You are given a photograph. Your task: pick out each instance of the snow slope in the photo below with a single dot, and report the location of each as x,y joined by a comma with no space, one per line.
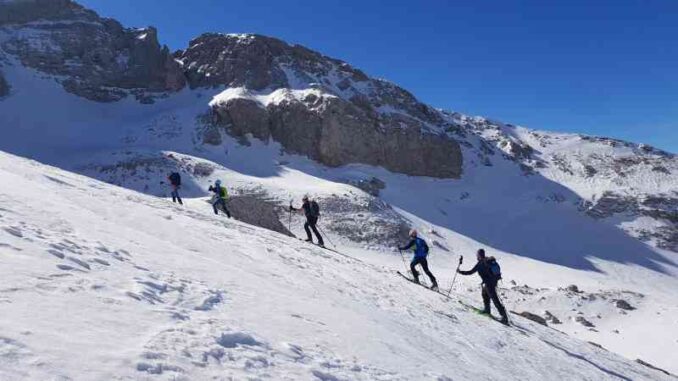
533,223
103,283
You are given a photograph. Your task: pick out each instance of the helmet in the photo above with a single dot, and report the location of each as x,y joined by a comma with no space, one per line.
413,233
305,198
217,183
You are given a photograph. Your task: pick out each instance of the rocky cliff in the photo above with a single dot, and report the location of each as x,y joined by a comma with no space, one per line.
4,86
319,106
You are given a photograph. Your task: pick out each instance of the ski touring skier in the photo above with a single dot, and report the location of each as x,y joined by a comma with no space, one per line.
219,198
174,179
490,273
420,248
311,210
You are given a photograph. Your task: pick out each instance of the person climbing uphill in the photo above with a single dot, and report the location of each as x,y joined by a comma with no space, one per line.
488,269
174,179
219,198
312,211
420,248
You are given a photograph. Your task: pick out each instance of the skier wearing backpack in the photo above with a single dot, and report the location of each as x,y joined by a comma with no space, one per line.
420,248
219,198
490,273
175,182
312,211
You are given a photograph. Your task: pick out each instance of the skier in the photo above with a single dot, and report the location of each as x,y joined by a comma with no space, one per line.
175,182
312,212
490,277
420,249
219,198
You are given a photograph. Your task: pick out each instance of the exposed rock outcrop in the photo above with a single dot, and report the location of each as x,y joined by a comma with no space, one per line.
94,57
534,317
373,186
366,220
4,86
583,321
624,305
319,106
257,211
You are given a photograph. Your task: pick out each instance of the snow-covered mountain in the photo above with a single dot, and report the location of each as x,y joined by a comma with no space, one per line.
276,121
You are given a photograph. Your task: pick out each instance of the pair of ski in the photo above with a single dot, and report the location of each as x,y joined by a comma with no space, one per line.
437,291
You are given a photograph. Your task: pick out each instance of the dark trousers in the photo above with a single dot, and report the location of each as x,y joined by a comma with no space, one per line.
175,195
490,293
221,202
424,265
311,222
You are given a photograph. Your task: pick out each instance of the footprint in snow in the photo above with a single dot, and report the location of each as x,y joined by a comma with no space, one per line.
79,262
101,261
13,231
7,245
56,253
211,301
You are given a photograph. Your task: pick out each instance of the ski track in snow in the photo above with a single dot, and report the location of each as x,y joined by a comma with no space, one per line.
101,285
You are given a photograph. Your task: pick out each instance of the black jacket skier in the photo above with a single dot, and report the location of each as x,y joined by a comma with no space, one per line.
489,286
312,212
174,179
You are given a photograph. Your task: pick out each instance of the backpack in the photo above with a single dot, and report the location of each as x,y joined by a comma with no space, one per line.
175,178
222,192
315,209
495,269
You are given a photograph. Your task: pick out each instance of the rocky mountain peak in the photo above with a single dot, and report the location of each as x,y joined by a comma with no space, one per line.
317,105
92,57
25,11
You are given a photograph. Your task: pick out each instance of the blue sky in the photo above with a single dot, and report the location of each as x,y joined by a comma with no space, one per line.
604,67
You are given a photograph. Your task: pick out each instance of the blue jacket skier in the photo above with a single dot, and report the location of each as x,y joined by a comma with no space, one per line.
219,198
488,270
420,249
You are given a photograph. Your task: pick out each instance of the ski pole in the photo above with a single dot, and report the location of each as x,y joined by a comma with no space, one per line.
461,259
326,236
289,221
506,311
404,262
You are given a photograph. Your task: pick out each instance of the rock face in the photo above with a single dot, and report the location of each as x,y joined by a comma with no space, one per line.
257,211
319,106
95,58
4,86
368,220
582,320
534,317
624,305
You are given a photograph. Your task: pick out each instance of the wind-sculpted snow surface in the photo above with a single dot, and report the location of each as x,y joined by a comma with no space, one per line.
104,283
